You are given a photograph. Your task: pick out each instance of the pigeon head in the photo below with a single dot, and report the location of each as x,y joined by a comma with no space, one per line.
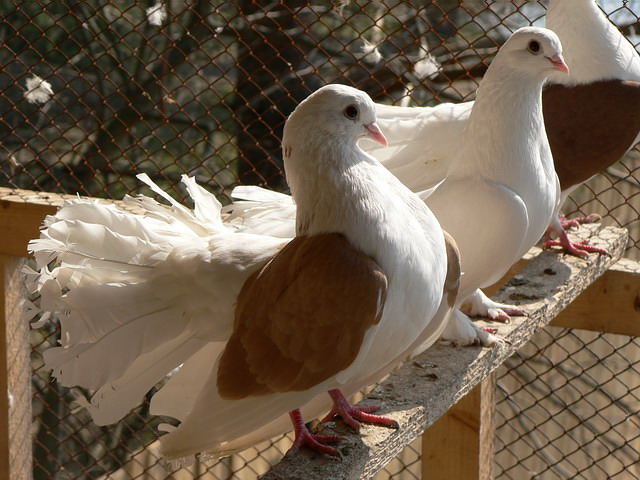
332,113
535,51
595,49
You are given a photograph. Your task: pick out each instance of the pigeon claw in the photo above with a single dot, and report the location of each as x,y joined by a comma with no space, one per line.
303,437
315,443
577,221
580,249
352,415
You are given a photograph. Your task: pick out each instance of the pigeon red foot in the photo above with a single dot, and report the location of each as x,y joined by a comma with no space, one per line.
577,221
304,437
353,415
580,249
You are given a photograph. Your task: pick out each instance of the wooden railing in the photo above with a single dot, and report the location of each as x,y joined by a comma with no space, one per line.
446,394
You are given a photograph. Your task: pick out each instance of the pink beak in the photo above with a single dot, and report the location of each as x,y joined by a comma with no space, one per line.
376,134
558,63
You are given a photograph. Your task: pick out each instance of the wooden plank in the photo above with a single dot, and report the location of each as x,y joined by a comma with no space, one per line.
21,214
612,304
460,444
15,421
4,404
420,392
19,223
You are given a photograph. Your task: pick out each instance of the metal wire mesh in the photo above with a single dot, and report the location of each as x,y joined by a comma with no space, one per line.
569,408
95,92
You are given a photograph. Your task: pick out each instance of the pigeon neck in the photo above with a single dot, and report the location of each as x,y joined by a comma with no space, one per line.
506,123
355,196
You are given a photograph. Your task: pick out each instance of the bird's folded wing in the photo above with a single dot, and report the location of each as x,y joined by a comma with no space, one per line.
302,319
607,126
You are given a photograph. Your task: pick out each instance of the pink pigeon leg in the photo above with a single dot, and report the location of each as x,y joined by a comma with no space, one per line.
577,221
352,415
579,249
479,305
303,437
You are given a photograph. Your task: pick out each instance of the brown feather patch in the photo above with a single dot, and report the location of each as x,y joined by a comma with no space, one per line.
590,126
302,318
452,280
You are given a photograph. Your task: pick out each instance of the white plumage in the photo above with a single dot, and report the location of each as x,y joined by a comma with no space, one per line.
594,48
425,140
135,294
500,190
142,294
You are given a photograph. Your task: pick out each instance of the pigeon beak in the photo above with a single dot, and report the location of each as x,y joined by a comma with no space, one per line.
558,63
375,134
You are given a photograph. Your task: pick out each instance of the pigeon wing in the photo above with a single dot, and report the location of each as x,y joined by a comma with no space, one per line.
302,319
590,126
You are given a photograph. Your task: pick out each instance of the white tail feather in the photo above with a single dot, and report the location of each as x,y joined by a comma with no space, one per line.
137,295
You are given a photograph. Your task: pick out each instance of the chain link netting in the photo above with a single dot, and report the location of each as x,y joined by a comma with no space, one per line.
96,92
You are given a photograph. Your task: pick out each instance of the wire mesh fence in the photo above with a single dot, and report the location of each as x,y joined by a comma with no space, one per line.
96,92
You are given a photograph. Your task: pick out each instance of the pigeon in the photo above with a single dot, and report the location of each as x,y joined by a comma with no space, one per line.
500,190
590,115
252,329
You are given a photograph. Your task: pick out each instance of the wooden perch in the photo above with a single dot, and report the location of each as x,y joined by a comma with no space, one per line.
425,388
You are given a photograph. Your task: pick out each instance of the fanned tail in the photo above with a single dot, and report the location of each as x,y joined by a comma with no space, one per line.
137,294
262,212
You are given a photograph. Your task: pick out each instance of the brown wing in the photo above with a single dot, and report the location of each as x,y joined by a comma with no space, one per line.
452,280
302,318
590,126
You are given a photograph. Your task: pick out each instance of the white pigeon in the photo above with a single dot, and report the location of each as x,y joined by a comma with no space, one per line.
369,279
590,116
597,100
501,188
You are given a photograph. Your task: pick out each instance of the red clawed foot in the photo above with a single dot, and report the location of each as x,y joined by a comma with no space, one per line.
580,249
352,415
305,438
576,222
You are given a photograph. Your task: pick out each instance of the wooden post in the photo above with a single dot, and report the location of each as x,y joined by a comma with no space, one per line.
612,304
460,444
15,376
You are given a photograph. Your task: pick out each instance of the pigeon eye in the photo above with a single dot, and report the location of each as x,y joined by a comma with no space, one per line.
351,112
534,46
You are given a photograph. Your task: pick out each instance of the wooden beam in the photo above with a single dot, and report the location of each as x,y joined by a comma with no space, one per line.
612,304
460,444
21,214
420,392
4,403
15,376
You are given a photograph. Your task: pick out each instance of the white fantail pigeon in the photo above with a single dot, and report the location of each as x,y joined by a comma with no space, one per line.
501,189
260,327
591,115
